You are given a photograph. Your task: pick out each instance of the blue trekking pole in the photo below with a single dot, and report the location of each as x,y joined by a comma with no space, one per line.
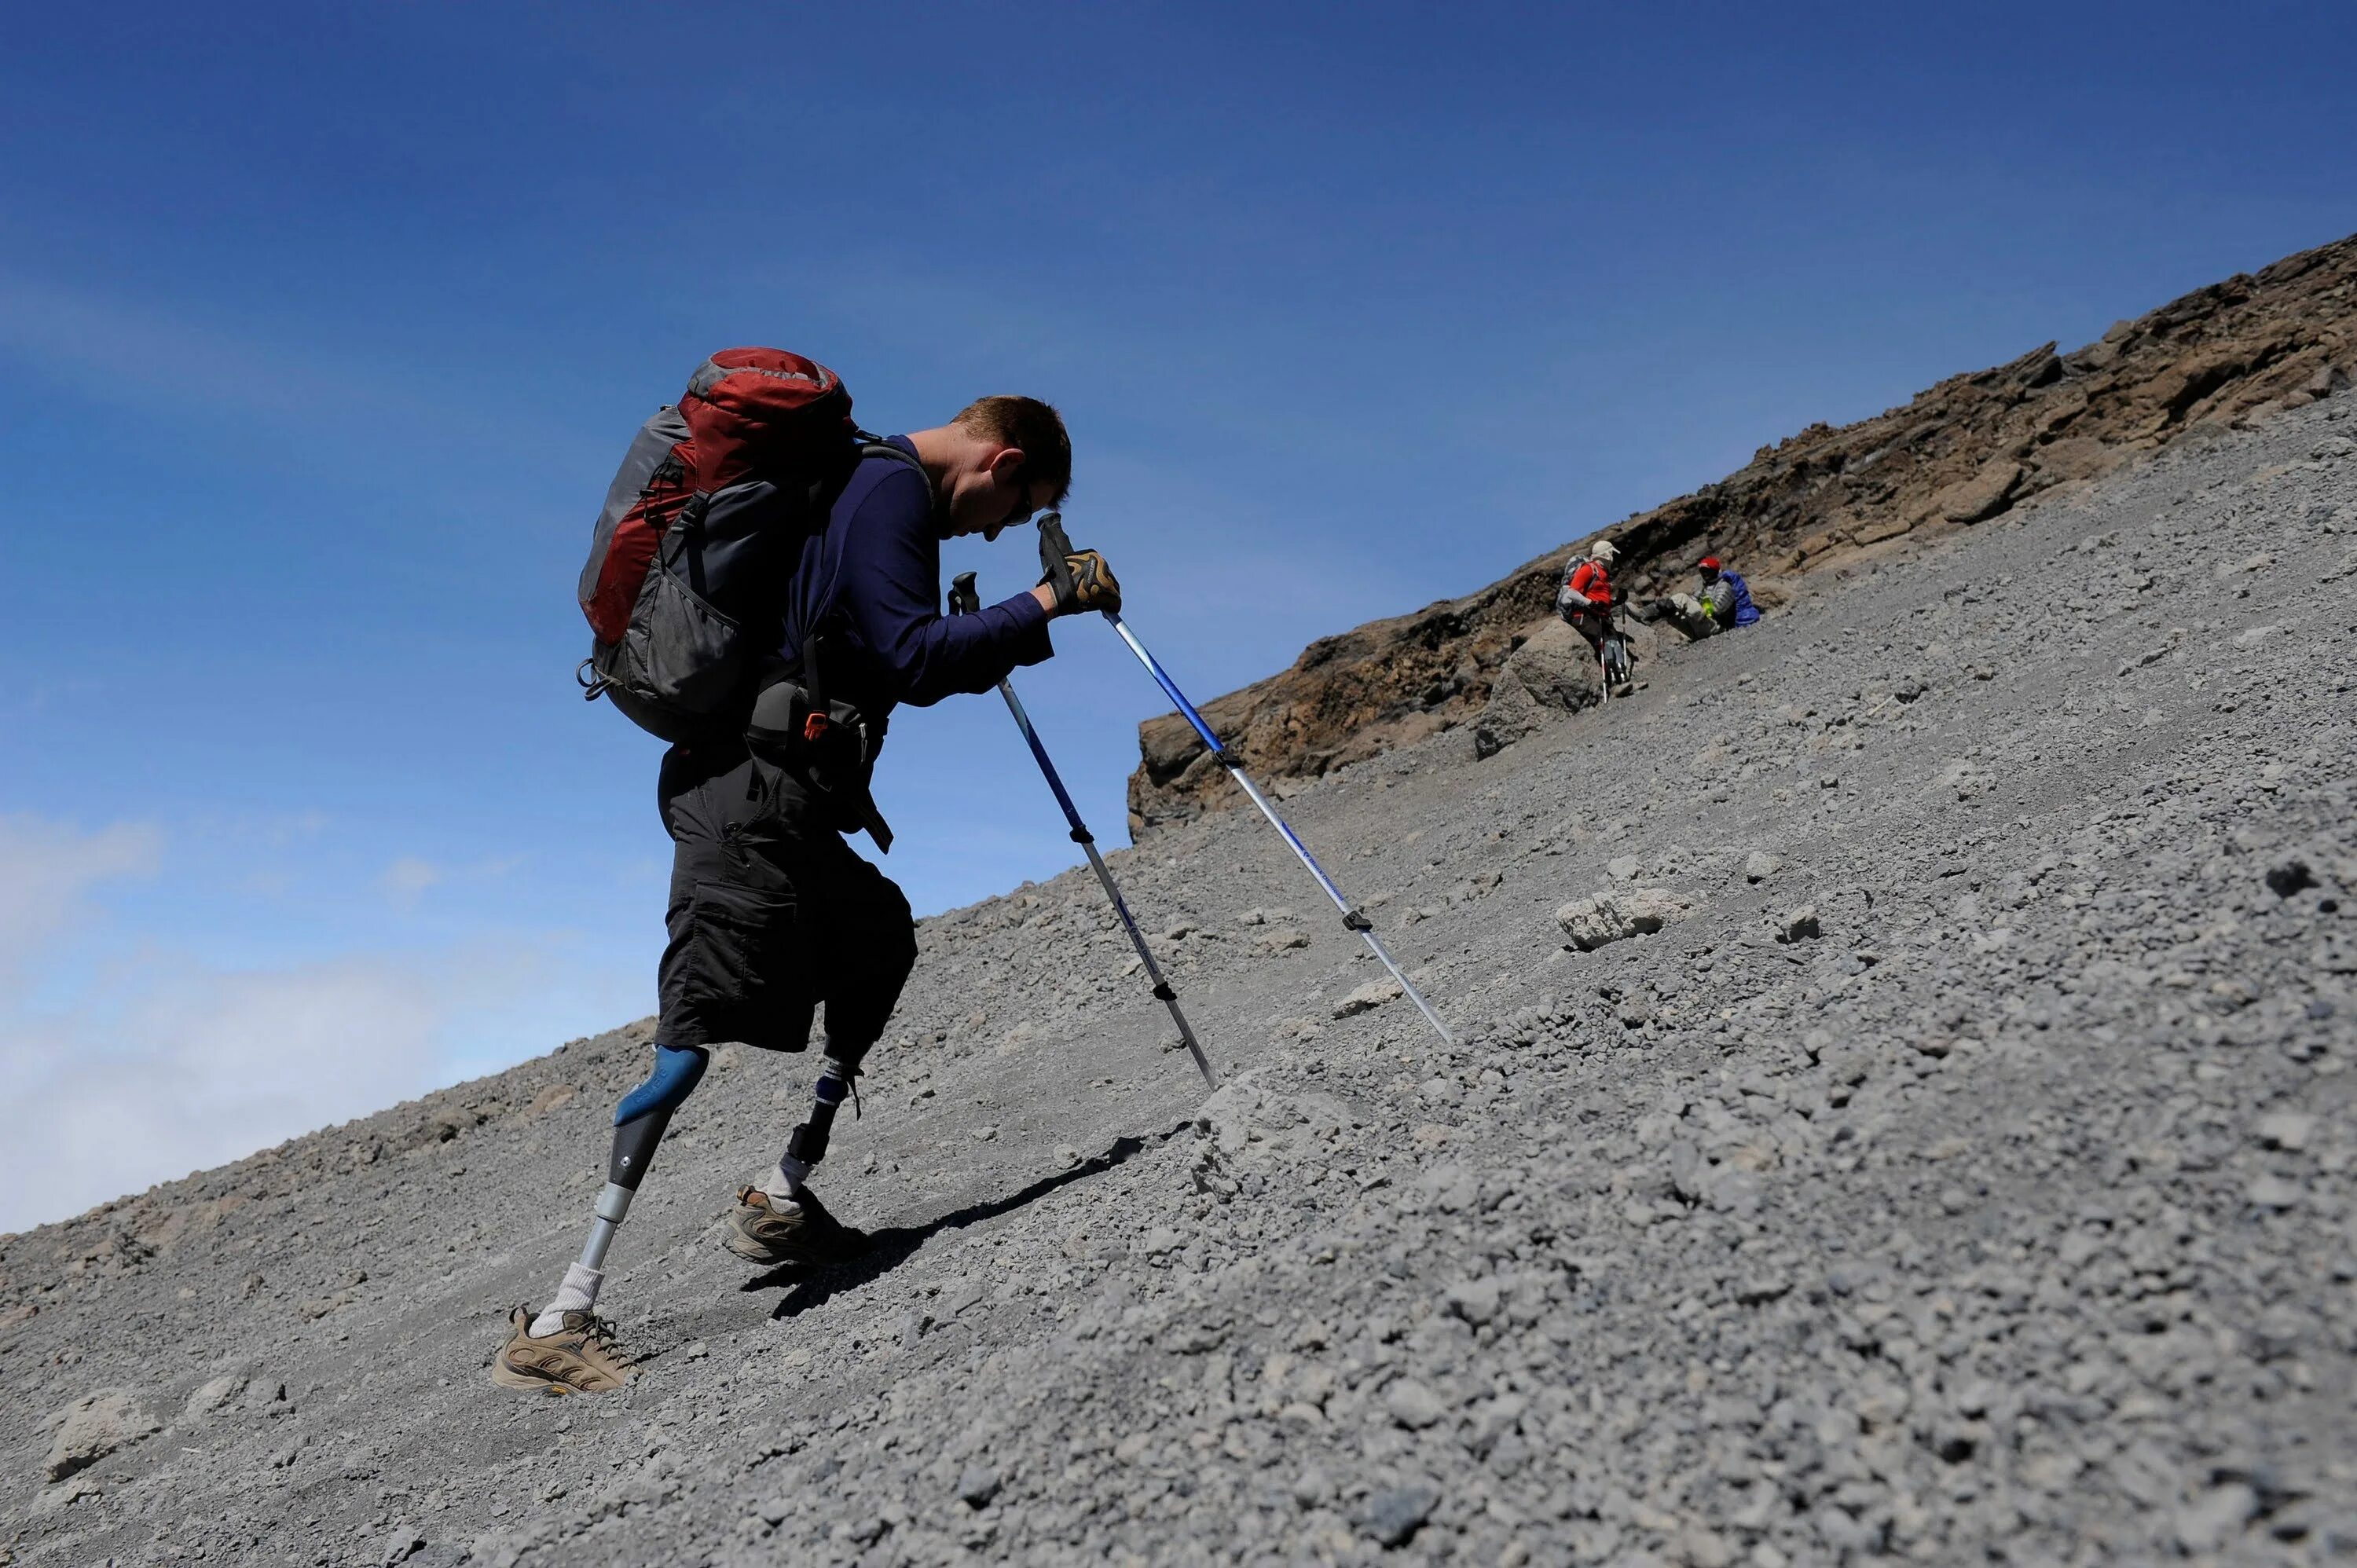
964,601
1053,547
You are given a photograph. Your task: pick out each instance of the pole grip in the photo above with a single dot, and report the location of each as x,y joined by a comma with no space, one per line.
1054,545
963,599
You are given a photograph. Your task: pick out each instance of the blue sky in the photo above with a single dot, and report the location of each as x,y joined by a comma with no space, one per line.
321,330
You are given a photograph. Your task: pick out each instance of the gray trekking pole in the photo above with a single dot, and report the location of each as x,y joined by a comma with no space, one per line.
963,601
1053,547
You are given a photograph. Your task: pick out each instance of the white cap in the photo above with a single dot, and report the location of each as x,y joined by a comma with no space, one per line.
1602,550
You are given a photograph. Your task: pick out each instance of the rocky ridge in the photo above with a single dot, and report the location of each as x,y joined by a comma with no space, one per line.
1965,450
1912,1118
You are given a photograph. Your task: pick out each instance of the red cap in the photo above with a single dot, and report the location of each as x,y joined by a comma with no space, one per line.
1707,564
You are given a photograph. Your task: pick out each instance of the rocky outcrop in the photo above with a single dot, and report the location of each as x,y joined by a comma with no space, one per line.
1967,450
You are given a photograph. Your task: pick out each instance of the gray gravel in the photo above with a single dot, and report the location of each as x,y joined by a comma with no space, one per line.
1960,1168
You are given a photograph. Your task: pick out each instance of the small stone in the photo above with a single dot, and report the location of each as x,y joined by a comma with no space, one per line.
2273,1192
1160,1239
1413,1405
1590,923
2331,447
2210,1521
1760,865
863,1532
212,1398
1700,1547
977,1486
2290,878
1799,925
1394,1514
1621,868
1312,1488
94,1426
400,1543
1368,997
2287,1129
1475,1301
52,1499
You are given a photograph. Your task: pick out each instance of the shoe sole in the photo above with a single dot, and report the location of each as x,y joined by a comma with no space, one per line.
754,1251
508,1377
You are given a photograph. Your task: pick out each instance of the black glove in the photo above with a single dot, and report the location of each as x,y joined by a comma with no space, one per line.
1080,579
1086,582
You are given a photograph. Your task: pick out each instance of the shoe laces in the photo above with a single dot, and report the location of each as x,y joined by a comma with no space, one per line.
601,1333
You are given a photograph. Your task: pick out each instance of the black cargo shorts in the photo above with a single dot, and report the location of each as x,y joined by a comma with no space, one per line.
771,913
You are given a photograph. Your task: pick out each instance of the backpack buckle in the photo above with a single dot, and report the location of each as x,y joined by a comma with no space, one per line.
815,726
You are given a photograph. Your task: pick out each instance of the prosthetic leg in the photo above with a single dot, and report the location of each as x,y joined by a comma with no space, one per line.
806,1146
782,1221
639,1124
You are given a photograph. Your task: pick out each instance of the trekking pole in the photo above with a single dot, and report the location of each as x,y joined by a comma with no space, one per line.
1053,547
963,600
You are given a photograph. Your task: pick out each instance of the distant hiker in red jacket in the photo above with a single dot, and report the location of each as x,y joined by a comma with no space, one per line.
1585,601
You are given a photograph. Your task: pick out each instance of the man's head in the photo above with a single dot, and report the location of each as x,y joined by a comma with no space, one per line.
1603,553
1000,460
1708,567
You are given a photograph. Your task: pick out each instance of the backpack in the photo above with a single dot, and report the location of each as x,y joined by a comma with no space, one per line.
682,584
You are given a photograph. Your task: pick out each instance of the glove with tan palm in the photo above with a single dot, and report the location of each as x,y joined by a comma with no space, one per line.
1080,578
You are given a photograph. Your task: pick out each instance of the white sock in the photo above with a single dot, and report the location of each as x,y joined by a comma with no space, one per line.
577,1294
785,1179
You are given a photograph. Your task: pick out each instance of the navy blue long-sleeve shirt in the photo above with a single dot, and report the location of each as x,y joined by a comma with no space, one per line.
872,580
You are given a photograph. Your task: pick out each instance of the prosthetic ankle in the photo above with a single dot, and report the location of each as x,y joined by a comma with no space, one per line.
639,1123
807,1145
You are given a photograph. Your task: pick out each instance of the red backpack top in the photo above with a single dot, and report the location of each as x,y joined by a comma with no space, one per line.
709,495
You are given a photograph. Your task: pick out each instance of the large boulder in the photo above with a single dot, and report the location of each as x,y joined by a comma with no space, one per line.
1552,672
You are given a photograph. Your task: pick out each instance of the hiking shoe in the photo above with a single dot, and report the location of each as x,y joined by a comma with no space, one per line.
579,1359
787,1230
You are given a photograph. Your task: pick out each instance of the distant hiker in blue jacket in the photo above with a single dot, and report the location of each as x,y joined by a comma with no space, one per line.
1721,603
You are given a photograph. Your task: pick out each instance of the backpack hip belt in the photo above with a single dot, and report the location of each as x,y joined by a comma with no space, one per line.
826,745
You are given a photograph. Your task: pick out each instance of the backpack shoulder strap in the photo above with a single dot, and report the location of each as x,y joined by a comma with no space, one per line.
873,446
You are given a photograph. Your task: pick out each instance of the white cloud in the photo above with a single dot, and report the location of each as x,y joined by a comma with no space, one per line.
164,1064
196,1066
408,878
46,870
201,1069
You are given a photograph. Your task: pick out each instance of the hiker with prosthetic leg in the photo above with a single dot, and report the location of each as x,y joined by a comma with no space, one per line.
771,915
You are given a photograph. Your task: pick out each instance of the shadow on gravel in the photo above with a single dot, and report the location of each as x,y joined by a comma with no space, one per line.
888,1248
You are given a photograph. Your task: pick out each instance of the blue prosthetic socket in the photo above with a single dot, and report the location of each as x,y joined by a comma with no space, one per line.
643,1114
677,1070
